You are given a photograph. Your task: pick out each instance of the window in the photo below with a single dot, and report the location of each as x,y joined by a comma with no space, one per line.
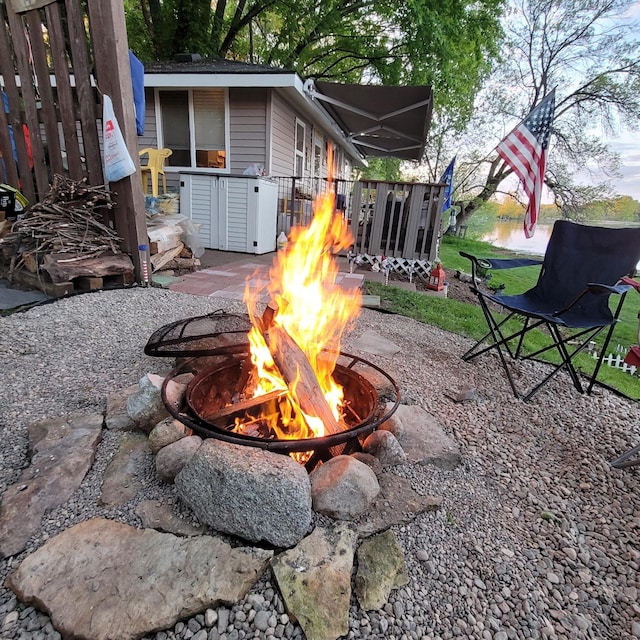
300,148
194,127
318,144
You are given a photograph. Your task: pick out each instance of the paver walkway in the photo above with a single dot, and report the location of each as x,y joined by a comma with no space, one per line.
229,280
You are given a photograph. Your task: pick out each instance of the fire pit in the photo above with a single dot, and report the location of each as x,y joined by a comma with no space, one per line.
277,378
214,350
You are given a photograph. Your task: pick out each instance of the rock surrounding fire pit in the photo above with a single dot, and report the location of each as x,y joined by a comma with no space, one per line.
247,492
99,565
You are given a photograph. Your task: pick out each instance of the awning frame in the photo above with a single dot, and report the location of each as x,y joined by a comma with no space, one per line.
400,143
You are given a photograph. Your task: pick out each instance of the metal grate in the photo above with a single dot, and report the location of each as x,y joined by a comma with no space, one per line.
213,334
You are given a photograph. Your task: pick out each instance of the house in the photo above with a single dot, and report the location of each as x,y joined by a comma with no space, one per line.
231,116
250,147
224,119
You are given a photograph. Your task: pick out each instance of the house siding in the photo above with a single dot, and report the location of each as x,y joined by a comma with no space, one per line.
247,128
283,121
150,136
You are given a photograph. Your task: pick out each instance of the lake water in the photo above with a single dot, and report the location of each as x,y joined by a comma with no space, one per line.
509,234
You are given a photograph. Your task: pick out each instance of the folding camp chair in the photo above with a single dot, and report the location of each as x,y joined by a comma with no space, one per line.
582,267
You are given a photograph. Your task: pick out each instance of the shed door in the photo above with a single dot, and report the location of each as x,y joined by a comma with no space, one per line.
200,199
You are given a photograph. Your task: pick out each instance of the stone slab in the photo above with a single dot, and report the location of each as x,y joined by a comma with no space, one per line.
381,568
397,503
104,580
160,516
63,451
423,438
122,480
374,343
314,579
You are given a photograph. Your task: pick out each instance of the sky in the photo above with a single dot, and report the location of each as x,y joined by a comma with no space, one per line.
628,144
629,150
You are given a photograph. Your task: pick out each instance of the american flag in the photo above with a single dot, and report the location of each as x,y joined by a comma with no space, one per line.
524,150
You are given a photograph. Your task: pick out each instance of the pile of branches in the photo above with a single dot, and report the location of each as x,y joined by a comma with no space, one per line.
70,219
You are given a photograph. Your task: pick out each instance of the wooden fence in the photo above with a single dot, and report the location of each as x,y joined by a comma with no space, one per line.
56,59
394,219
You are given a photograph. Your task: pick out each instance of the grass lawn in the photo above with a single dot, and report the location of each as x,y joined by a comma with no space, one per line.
467,319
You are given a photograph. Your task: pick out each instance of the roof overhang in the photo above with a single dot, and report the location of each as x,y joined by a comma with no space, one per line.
381,121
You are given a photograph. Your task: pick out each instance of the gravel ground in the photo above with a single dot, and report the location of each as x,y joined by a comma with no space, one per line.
537,536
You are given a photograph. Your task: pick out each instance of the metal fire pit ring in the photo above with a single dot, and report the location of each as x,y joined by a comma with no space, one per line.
379,414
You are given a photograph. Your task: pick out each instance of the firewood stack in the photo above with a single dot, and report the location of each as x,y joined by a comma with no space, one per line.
66,236
168,246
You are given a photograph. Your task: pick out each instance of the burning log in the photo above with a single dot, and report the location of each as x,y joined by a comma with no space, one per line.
221,417
296,371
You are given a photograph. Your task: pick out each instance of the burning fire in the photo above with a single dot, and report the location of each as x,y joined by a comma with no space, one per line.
312,310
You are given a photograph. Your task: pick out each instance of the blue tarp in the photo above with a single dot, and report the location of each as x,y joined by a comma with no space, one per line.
137,80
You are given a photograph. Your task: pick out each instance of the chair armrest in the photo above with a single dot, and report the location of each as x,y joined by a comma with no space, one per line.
598,289
631,282
476,265
497,263
606,289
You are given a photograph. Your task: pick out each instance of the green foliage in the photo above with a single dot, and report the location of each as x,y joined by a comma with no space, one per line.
621,209
588,52
387,169
450,46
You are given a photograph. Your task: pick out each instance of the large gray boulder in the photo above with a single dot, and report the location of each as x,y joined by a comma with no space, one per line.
247,492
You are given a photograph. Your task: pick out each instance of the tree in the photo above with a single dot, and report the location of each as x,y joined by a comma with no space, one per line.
586,50
448,45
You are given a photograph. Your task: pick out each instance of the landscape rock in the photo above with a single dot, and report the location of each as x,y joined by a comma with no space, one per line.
383,386
62,453
343,488
122,480
167,431
145,406
397,503
381,568
423,438
247,492
171,459
371,461
104,580
384,445
116,416
314,579
161,516
372,342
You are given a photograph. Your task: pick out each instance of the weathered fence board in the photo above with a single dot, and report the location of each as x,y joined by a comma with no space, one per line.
48,53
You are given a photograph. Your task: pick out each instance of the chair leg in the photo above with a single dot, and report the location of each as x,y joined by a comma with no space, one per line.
154,184
606,343
623,462
499,340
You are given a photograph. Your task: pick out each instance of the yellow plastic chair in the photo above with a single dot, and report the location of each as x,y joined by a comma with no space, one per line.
154,168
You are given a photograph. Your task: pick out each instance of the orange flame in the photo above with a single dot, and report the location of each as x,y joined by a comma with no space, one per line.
312,309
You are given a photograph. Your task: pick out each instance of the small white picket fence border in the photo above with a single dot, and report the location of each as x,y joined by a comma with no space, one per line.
616,360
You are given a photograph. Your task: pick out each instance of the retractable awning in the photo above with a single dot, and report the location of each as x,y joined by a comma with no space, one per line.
379,120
